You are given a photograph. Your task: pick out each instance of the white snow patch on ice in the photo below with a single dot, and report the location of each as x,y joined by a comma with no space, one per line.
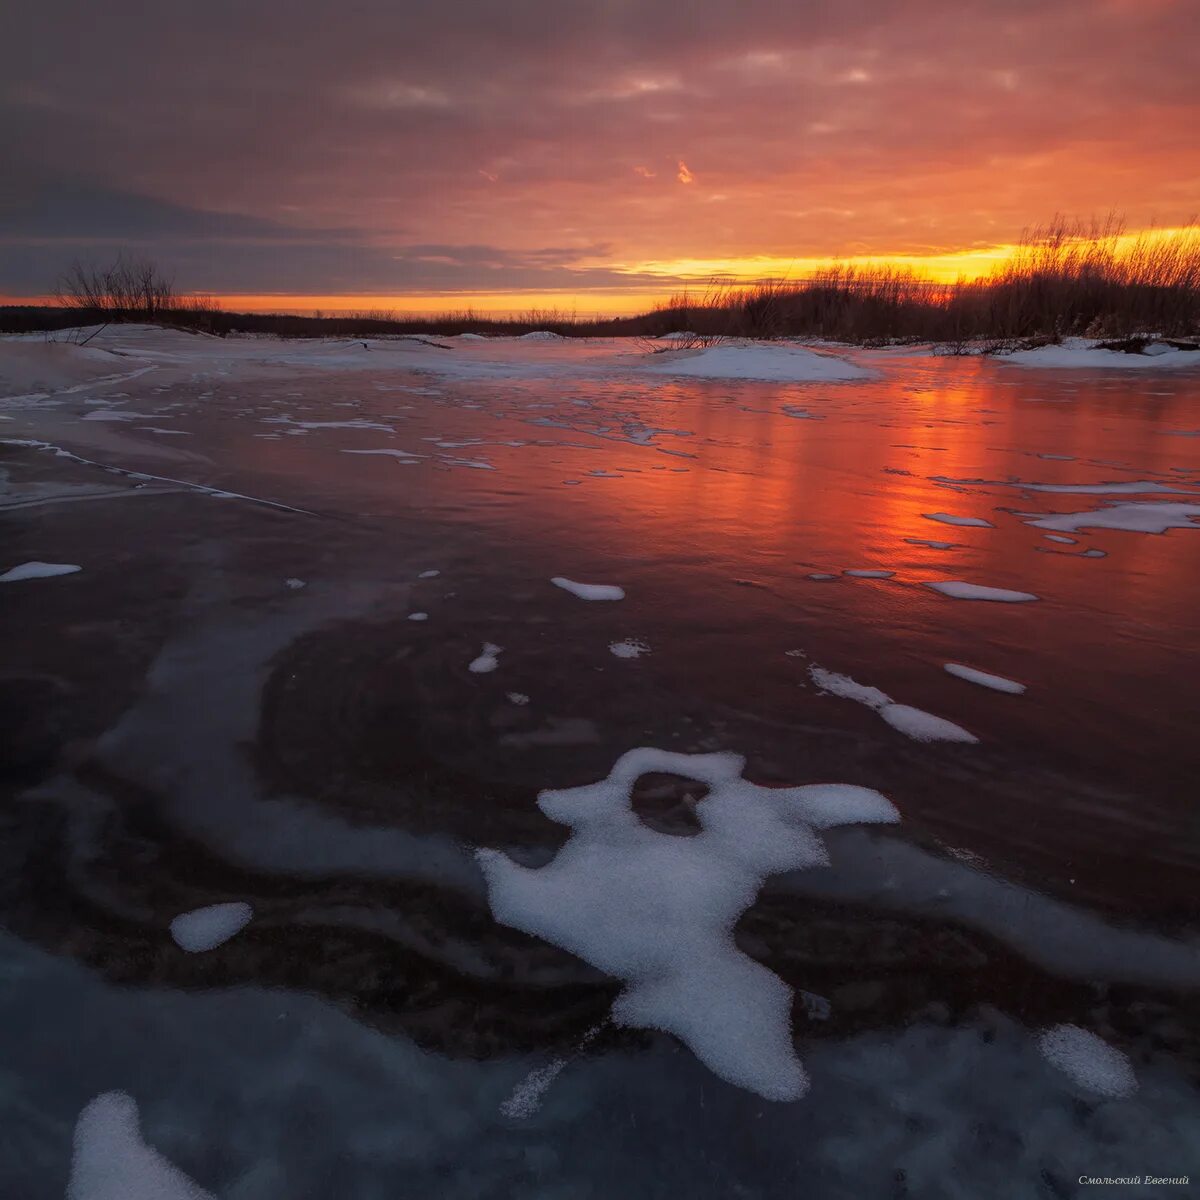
418,616
518,698
658,911
912,722
628,648
487,660
1058,537
957,589
110,1160
429,574
996,682
589,591
931,544
294,584
870,574
950,519
757,360
1088,1060
208,927
38,570
526,1098
404,455
1075,352
1144,517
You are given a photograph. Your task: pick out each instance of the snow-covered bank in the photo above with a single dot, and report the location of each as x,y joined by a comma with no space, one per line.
1085,353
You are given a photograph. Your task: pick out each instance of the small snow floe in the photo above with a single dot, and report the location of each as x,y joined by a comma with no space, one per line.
996,682
870,574
820,576
418,616
111,1161
475,464
38,570
429,574
912,722
208,927
1058,537
950,519
658,911
294,584
629,648
1088,1061
932,544
542,335
589,591
402,456
1059,457
517,698
1138,517
1093,553
957,589
487,659
758,360
801,414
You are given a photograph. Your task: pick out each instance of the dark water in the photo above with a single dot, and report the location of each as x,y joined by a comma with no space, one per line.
184,728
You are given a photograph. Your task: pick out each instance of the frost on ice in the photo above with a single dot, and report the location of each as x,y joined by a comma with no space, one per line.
957,589
38,570
996,682
912,722
629,648
206,928
1088,1060
589,591
658,911
110,1160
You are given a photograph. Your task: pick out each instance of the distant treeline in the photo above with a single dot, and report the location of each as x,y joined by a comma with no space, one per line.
1065,278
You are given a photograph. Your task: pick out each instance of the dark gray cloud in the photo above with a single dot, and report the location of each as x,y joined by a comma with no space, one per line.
330,147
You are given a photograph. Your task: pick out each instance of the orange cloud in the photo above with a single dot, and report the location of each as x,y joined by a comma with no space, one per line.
644,172
685,176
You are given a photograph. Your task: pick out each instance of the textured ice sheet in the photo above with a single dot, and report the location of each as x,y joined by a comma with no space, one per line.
209,927
996,682
1088,1060
958,589
589,591
915,723
658,911
110,1160
38,570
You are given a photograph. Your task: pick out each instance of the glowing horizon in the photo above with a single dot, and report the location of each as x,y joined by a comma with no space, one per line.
612,300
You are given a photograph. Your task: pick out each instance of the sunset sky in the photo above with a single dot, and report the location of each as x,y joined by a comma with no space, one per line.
548,152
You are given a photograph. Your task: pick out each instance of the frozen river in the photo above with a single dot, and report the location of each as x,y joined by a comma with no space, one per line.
327,640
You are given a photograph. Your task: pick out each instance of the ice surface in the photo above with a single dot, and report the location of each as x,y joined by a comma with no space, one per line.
629,648
959,590
1088,1060
38,570
208,927
996,682
1143,517
589,591
912,722
110,1161
487,660
757,360
950,519
658,911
